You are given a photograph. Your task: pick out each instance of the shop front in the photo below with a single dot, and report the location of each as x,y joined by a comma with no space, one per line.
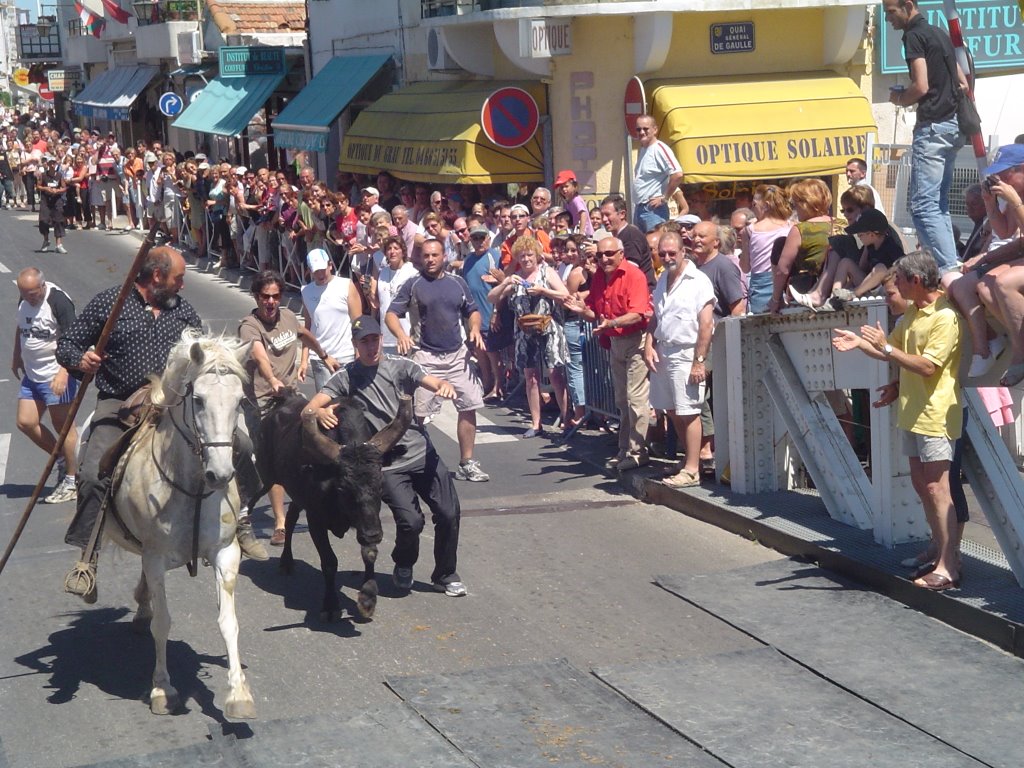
109,99
230,103
433,132
731,133
312,120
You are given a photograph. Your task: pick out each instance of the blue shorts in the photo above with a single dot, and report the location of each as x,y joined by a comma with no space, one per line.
40,392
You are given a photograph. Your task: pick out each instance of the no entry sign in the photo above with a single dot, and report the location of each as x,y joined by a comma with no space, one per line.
635,103
509,117
45,92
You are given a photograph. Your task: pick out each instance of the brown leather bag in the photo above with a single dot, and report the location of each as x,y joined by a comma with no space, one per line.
533,323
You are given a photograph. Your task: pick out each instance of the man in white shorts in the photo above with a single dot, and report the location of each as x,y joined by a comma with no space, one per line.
677,345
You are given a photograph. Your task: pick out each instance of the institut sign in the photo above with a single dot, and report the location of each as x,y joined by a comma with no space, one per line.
992,32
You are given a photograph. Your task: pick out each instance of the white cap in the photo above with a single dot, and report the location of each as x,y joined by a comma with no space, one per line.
240,170
689,218
203,166
200,156
149,157
317,259
371,191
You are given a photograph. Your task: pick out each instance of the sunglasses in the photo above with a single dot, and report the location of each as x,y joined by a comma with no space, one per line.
270,296
460,231
609,254
517,216
850,210
668,253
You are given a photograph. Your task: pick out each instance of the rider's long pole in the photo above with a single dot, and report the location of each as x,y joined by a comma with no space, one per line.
963,58
108,327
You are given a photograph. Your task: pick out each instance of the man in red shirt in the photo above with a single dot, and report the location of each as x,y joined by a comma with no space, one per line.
619,304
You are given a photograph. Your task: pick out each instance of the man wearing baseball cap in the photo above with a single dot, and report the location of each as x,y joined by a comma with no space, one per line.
568,187
329,305
371,197
416,471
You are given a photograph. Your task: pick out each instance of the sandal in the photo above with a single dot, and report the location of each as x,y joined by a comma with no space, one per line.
1013,376
277,540
936,582
682,479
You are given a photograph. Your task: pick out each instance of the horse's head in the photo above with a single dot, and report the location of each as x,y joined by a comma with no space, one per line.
206,374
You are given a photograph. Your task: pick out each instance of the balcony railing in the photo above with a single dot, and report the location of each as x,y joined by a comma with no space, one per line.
156,12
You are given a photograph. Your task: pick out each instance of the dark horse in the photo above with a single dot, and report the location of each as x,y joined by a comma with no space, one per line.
336,479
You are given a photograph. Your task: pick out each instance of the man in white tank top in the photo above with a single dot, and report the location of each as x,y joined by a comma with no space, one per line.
329,304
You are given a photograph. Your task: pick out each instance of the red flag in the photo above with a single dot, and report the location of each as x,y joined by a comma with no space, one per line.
118,13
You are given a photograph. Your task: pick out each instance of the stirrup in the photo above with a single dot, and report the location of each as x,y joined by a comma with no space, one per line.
81,581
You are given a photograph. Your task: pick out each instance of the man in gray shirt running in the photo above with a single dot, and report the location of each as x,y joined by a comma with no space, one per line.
416,472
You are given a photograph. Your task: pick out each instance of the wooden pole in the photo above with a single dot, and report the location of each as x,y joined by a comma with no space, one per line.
108,328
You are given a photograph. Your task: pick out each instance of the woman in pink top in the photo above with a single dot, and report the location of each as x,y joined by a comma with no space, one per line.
758,240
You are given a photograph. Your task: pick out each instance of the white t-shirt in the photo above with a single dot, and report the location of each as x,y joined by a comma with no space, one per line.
654,165
388,282
330,321
38,329
677,310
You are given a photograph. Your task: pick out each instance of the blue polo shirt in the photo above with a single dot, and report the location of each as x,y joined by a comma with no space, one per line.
473,269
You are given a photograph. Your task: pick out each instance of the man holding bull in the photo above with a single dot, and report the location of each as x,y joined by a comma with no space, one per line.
416,472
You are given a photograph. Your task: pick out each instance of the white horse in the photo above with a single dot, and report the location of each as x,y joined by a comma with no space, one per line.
176,502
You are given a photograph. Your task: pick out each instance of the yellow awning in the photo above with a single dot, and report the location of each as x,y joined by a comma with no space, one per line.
428,131
723,129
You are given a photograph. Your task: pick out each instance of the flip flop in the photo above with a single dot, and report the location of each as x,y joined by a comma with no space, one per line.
922,570
1013,376
936,582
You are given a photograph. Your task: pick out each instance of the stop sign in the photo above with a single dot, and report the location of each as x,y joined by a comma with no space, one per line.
45,92
634,104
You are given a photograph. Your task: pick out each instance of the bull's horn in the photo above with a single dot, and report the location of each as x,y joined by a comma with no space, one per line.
388,437
317,447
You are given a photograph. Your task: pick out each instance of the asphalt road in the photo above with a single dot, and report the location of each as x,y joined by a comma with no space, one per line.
558,561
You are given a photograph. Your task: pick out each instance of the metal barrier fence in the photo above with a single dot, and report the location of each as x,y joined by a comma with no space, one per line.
597,375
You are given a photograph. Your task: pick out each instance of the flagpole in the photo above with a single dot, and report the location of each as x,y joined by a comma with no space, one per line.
963,58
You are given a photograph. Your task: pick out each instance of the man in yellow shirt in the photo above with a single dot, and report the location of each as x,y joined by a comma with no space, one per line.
926,346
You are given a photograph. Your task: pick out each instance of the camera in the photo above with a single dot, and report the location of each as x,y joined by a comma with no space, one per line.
989,182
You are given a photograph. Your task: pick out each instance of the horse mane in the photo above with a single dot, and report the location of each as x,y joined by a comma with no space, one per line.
218,354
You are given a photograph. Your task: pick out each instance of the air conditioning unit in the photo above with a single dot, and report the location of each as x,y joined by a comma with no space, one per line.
438,58
189,48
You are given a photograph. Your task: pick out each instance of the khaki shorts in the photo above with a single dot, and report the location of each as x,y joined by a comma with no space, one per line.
459,370
926,447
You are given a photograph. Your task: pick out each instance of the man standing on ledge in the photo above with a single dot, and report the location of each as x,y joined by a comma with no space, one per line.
935,84
925,345
656,177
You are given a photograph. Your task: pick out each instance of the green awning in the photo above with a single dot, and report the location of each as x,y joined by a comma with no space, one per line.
226,105
305,122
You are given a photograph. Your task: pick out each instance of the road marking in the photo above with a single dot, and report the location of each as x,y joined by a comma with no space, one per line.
486,430
3,267
5,447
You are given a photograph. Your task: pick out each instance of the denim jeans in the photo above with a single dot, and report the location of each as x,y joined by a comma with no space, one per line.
759,292
574,366
8,192
647,218
933,154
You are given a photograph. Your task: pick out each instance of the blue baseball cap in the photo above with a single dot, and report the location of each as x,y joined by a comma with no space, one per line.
1006,157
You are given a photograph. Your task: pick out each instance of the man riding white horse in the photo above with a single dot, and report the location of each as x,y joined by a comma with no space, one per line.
150,323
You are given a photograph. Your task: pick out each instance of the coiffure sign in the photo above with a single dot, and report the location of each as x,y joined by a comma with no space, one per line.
992,33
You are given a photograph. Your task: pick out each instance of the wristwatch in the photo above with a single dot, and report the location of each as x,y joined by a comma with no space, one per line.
887,350
700,359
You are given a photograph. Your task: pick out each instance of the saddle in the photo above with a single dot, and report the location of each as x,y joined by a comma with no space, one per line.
138,410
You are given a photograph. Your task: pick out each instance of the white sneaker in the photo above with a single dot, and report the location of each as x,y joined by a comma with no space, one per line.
66,491
452,588
472,472
61,249
980,365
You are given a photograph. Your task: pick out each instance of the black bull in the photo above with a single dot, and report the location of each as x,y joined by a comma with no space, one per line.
336,481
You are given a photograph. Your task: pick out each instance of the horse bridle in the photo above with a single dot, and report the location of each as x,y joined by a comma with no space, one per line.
193,439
